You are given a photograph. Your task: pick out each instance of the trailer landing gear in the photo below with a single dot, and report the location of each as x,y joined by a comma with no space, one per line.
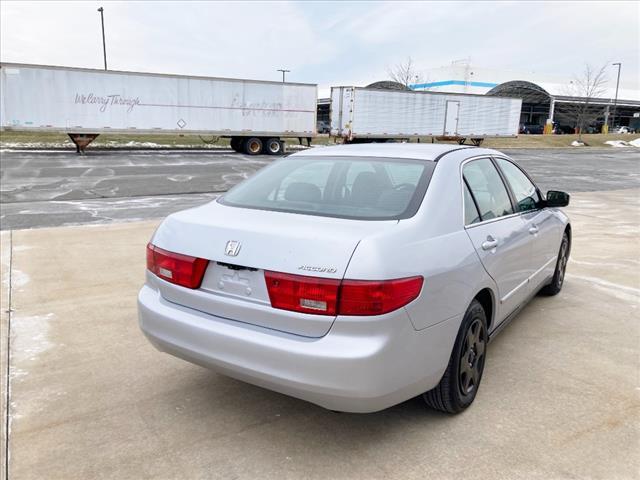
476,141
82,140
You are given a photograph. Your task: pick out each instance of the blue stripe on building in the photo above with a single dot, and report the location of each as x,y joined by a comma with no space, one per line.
445,83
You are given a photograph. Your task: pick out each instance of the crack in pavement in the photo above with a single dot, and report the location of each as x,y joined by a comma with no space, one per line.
6,346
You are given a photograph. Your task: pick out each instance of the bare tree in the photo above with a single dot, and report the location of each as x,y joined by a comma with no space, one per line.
588,86
405,73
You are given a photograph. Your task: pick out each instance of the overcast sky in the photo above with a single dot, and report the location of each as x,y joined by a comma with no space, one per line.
327,43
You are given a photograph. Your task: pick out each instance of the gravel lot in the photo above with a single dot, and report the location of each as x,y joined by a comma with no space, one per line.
44,189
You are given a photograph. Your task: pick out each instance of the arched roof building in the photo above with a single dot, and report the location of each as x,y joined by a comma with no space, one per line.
556,102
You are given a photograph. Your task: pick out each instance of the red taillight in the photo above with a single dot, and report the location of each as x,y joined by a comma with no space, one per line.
325,296
299,293
176,268
365,297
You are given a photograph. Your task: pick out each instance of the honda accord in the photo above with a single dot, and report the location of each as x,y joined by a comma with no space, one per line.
357,276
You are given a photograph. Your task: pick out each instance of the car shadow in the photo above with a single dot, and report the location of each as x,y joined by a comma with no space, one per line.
221,406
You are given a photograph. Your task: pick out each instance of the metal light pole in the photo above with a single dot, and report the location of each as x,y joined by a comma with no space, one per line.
283,72
104,44
615,102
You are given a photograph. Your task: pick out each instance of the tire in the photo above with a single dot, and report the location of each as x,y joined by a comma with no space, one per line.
252,146
273,146
236,144
459,384
561,267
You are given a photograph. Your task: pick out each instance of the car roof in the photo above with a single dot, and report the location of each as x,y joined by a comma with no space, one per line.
419,151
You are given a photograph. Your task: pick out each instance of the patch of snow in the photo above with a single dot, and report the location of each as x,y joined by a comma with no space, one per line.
141,144
30,336
16,373
45,149
18,278
617,143
180,178
635,143
576,143
11,146
153,145
18,145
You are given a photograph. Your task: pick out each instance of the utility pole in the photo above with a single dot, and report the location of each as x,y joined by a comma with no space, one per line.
104,44
615,102
283,72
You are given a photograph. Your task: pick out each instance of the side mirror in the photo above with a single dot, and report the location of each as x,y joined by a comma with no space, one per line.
557,199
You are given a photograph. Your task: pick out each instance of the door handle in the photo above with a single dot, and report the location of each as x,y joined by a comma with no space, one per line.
490,243
533,230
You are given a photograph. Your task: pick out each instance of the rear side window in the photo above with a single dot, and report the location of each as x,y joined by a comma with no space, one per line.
471,214
364,188
523,189
487,189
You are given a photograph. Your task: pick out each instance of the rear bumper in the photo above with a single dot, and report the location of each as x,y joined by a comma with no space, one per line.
363,364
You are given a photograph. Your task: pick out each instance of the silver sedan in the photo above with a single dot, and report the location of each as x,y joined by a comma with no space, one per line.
359,276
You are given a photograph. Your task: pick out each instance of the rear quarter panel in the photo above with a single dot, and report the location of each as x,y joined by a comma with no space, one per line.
433,244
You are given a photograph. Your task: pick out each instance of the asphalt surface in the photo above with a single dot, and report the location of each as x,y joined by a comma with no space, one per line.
52,188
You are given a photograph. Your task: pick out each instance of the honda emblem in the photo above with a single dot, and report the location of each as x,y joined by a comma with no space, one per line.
233,248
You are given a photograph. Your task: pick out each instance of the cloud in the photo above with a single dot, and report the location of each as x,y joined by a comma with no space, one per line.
215,38
330,43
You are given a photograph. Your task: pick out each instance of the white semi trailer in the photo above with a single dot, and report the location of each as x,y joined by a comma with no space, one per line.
369,114
256,115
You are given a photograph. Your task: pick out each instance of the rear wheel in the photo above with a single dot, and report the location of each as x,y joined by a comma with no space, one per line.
461,380
273,146
561,267
253,146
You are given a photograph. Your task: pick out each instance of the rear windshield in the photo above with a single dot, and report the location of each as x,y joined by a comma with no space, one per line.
363,188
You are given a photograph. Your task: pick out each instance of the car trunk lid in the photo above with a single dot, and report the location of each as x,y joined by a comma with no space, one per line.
241,244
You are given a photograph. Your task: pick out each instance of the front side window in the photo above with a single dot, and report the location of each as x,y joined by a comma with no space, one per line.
487,189
523,189
363,188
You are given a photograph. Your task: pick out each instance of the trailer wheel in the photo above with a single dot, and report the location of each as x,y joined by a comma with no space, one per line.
253,146
274,146
236,144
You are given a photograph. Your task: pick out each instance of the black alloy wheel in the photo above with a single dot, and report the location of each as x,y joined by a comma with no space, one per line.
561,268
459,384
472,357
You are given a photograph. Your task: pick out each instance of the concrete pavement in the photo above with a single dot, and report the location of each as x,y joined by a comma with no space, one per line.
90,398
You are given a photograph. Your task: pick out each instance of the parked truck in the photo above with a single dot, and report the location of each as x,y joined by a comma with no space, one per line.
370,114
83,103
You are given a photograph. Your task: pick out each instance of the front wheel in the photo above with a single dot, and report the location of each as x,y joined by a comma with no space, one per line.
561,267
461,380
